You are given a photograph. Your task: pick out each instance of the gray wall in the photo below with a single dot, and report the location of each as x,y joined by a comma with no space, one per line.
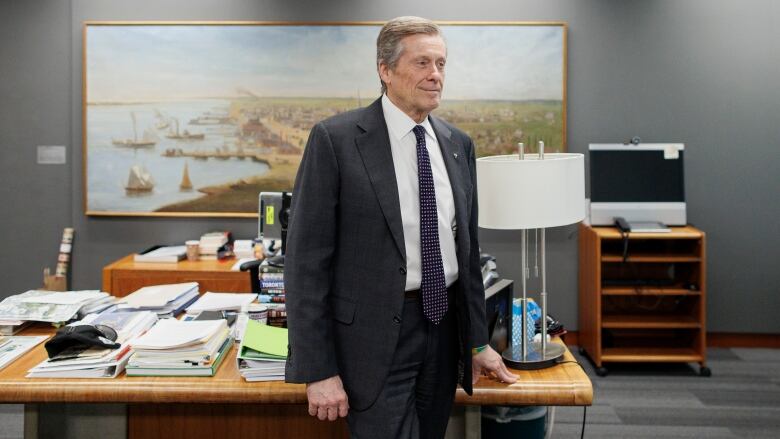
700,72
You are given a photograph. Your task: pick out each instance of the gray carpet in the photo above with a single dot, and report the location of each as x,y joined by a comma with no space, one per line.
740,400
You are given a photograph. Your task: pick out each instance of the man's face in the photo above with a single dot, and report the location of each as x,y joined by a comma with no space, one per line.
416,82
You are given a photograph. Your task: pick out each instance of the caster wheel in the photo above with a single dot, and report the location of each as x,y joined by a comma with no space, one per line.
601,371
581,351
705,371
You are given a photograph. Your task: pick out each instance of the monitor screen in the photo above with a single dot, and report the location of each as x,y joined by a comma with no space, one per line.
636,176
498,310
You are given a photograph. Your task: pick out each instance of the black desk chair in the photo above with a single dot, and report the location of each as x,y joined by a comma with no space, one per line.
253,267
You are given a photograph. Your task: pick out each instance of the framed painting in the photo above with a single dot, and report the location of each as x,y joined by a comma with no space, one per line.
197,118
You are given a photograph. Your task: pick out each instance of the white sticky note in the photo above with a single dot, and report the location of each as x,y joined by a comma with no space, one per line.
671,152
51,155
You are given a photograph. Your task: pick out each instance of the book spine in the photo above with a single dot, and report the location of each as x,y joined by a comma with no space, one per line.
264,298
65,248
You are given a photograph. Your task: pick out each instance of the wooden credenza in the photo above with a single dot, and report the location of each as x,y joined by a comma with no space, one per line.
642,299
124,276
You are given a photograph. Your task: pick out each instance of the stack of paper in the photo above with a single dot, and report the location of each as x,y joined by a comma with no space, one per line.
244,249
174,253
12,348
211,242
49,306
262,353
180,348
98,362
11,327
221,302
166,300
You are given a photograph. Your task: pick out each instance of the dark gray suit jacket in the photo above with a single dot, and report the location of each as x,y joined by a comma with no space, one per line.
345,268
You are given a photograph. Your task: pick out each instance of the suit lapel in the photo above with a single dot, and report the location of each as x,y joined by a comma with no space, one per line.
374,148
457,169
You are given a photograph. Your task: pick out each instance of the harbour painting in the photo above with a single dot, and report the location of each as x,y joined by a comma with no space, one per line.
196,119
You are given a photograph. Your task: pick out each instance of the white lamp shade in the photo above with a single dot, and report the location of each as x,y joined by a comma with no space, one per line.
531,193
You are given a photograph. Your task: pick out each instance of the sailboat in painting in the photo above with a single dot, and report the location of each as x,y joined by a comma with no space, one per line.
139,182
186,184
184,135
147,141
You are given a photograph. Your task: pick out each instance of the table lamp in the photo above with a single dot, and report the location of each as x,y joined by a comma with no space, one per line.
531,191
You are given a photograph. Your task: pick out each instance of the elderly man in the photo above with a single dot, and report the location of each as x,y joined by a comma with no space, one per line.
386,309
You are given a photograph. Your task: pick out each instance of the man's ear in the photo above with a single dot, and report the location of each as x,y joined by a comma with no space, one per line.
384,72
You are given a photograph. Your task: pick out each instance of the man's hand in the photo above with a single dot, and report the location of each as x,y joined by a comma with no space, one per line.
489,361
327,399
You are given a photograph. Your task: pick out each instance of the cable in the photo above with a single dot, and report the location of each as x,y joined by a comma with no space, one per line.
584,408
624,235
550,421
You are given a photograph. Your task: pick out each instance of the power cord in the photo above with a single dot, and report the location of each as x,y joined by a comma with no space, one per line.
584,408
624,235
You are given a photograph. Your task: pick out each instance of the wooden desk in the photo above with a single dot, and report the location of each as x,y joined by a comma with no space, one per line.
208,407
173,407
125,276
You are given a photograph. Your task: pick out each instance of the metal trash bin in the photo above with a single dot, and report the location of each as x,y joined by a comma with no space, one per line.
499,422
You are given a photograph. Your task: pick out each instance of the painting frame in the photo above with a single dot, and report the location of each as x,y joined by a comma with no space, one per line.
560,116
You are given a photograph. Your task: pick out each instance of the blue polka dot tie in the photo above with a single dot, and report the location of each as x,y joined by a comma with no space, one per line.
433,287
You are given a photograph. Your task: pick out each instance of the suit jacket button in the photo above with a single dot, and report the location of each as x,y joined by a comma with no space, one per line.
402,270
397,319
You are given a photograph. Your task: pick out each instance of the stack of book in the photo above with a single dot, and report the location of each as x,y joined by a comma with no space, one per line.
262,353
48,306
215,245
234,307
244,249
167,300
81,361
180,348
272,293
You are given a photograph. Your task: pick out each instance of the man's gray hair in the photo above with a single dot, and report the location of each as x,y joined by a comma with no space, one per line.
388,43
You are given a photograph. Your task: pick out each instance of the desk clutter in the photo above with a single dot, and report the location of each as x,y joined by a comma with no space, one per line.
210,246
157,330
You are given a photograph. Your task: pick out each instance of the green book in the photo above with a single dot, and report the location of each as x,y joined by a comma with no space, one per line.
263,342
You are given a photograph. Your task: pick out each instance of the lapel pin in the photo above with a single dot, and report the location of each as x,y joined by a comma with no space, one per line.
455,154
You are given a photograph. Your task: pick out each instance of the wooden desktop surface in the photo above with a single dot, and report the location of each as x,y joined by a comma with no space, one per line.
564,384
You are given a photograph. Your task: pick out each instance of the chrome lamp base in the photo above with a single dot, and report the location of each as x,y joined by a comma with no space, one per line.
534,358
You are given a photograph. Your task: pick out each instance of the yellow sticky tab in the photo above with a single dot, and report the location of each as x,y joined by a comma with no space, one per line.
269,215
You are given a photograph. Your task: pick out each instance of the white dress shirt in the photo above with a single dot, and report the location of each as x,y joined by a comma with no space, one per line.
404,148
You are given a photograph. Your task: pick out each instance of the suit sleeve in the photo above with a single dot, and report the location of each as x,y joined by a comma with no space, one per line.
311,243
475,292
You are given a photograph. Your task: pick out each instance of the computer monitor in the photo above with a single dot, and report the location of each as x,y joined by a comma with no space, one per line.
641,183
274,215
498,310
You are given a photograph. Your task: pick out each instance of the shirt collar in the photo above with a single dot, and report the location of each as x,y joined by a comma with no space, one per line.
399,124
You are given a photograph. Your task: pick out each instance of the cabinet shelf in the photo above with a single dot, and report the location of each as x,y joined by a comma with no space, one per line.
648,291
642,354
633,257
649,321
